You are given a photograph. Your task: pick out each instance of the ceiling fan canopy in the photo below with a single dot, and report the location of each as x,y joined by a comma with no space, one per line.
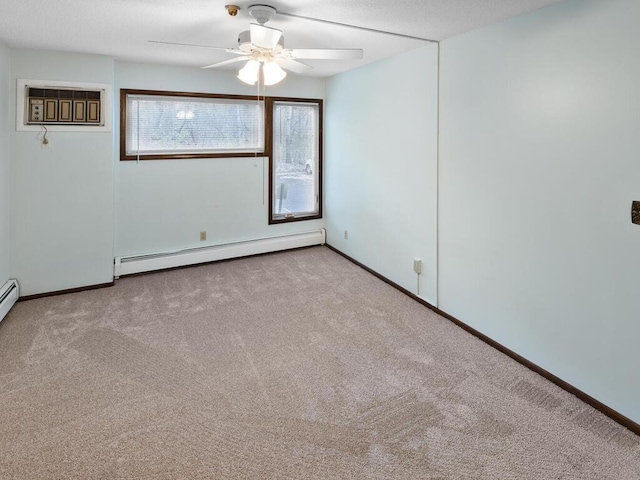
262,13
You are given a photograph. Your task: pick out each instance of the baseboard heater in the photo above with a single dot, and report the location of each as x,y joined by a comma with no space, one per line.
9,294
159,261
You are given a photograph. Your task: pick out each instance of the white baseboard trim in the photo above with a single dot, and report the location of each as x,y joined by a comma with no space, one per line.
162,260
9,294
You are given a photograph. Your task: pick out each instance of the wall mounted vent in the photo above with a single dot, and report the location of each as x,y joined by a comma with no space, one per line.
63,106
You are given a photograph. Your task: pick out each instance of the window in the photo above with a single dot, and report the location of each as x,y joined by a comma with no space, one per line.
159,125
175,125
295,160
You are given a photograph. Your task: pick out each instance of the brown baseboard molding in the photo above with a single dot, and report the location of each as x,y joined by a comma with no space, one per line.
588,399
63,292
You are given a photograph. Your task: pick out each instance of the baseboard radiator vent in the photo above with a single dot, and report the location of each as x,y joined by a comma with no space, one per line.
160,261
9,294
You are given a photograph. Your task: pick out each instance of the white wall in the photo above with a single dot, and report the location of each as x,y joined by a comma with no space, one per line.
163,205
540,160
5,95
61,198
381,166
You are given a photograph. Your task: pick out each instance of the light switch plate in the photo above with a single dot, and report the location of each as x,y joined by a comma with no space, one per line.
635,212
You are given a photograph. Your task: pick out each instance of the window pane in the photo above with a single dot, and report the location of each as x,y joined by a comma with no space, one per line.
172,125
295,159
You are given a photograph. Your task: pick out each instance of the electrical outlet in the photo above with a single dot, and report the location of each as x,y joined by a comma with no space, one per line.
45,144
203,236
417,265
346,234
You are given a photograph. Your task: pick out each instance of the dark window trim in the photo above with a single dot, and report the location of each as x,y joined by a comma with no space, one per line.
176,156
269,101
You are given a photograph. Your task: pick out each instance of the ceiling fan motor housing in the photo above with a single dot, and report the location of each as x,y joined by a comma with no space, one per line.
244,41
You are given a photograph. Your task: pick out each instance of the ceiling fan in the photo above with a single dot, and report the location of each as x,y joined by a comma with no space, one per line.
262,47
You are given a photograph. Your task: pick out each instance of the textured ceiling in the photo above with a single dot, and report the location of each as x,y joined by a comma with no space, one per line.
122,28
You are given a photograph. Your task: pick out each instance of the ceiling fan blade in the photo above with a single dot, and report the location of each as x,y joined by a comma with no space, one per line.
293,65
226,62
264,37
187,45
327,53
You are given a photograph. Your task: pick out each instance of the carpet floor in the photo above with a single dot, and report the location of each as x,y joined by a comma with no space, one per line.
296,365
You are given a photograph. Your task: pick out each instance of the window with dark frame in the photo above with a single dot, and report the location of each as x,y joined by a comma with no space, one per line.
171,125
157,125
296,159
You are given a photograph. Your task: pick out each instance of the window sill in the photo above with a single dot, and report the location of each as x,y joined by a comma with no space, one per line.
183,156
299,218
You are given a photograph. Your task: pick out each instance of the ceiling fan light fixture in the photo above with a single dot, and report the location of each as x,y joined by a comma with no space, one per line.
273,73
263,49
249,73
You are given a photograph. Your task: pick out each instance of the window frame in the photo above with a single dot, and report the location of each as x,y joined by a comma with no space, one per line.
269,104
179,156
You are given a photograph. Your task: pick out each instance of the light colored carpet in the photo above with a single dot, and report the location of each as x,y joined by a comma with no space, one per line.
292,365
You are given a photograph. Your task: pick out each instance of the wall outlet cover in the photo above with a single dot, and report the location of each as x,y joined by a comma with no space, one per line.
635,212
417,265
